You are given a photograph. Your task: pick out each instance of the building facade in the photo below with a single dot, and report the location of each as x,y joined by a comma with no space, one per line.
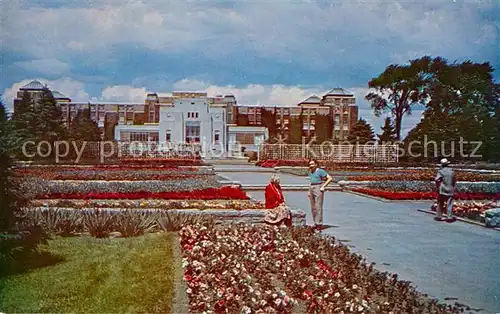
194,117
333,115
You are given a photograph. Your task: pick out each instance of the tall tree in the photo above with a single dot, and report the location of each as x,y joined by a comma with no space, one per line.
361,133
462,95
24,118
49,118
8,196
398,88
323,127
388,132
295,130
83,128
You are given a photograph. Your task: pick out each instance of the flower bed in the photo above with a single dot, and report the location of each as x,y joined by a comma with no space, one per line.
193,161
409,195
149,203
471,210
249,269
430,186
226,192
35,187
113,175
426,175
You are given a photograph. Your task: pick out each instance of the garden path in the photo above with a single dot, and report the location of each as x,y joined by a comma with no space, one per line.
456,260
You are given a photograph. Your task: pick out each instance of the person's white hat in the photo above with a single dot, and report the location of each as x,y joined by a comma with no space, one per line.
444,161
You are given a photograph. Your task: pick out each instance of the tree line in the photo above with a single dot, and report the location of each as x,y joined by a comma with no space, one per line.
460,102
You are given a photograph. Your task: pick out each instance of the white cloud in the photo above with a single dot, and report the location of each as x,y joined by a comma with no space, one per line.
67,86
253,93
312,31
124,93
50,66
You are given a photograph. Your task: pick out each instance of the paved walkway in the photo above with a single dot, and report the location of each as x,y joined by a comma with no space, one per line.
456,260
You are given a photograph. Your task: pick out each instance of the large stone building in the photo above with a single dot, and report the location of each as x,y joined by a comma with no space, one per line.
338,106
194,117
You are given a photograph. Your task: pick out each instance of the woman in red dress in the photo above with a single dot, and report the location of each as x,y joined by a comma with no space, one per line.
278,212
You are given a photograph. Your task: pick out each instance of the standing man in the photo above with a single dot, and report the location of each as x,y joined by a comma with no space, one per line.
319,180
445,183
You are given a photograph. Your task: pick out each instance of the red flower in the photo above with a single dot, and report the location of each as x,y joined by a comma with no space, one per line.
406,195
227,193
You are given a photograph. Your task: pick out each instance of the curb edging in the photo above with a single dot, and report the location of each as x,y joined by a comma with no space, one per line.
469,221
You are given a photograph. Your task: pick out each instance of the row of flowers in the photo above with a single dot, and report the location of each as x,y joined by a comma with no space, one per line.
190,161
430,186
426,175
105,167
227,192
330,165
250,269
150,203
409,195
35,187
471,210
126,175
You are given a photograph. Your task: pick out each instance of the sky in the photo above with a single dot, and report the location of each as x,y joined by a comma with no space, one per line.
267,52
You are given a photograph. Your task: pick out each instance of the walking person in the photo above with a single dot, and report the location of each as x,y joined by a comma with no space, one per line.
319,180
445,183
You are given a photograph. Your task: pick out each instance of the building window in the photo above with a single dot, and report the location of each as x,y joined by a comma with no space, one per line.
196,115
216,137
337,119
193,133
168,136
154,137
189,115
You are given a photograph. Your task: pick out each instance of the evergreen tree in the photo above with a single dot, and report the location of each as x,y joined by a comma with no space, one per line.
83,128
49,119
388,134
323,127
24,119
361,133
295,130
9,197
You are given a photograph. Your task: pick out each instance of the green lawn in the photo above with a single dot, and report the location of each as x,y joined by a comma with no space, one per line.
98,276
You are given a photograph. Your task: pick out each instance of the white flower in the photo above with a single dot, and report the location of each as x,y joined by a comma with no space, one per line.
337,294
321,283
355,287
274,295
277,302
246,310
189,291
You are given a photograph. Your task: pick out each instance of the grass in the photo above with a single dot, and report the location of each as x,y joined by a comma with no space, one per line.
96,275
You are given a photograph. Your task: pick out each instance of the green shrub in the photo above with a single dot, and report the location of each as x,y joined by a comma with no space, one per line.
99,223
132,223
